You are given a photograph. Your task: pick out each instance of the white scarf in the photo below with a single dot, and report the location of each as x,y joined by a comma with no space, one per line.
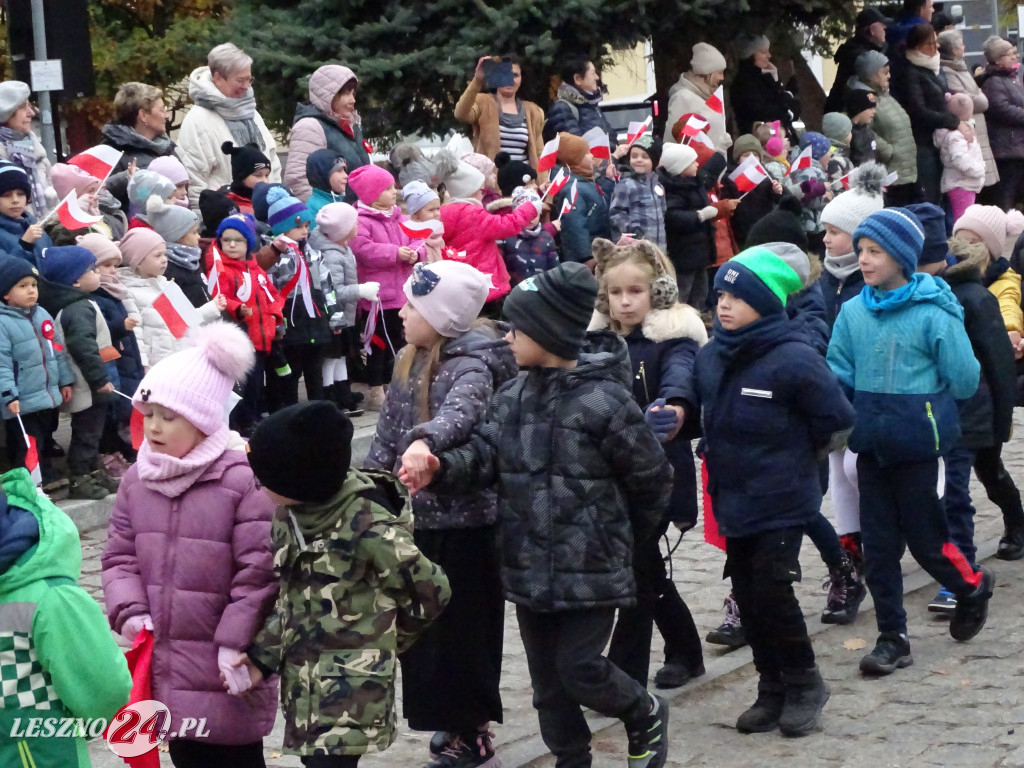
918,59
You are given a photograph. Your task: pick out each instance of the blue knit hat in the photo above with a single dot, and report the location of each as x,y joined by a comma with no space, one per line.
245,225
260,204
760,278
65,264
933,223
285,211
12,271
900,234
819,143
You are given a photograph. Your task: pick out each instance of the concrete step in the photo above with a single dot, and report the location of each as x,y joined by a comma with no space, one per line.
88,515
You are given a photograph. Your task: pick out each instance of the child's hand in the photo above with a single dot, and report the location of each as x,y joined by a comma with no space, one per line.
407,254
133,166
416,459
14,407
664,420
106,389
32,234
136,624
1018,344
65,394
244,311
236,671
417,480
220,302
130,323
777,187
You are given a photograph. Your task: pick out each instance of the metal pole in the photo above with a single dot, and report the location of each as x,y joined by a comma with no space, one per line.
46,114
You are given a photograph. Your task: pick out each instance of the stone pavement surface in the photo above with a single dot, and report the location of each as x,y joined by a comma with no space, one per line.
958,705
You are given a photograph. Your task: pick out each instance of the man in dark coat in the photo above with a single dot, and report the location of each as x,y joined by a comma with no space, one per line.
869,35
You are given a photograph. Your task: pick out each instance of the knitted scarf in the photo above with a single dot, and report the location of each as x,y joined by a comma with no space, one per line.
113,285
171,476
239,114
185,256
918,59
841,267
20,149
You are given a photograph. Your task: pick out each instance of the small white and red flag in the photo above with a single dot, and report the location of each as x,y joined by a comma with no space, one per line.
802,162
700,138
421,230
213,279
597,140
548,156
97,161
176,310
695,124
31,454
558,183
716,101
748,174
71,214
636,130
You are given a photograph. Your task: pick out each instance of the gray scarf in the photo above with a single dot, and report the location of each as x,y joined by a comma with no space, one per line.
841,267
239,114
185,256
20,149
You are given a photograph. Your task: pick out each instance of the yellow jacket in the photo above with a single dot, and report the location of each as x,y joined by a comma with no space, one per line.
1006,288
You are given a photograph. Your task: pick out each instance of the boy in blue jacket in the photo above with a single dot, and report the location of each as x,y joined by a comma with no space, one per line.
900,347
19,234
770,406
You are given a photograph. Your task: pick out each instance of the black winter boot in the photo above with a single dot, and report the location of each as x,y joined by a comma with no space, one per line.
846,592
806,694
763,715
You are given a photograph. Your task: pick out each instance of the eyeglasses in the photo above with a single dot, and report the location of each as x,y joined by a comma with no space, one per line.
233,240
245,80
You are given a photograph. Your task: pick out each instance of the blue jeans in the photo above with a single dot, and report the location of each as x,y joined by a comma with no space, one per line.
959,509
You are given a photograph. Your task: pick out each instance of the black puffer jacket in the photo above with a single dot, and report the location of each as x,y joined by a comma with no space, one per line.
470,369
579,475
920,92
1005,114
757,95
691,242
78,323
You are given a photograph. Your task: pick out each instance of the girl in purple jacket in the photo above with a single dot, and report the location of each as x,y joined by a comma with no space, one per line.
188,554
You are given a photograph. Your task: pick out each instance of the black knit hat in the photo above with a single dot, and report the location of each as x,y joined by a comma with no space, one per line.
554,308
12,271
215,206
245,160
857,100
260,206
512,173
13,177
783,225
303,452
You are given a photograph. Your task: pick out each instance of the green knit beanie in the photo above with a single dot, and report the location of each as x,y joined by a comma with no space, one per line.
760,278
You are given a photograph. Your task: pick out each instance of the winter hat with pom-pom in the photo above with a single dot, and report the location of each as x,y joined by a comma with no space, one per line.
417,194
847,210
137,244
448,294
103,248
285,212
196,382
143,185
260,204
775,146
70,177
337,220
783,225
819,144
245,225
171,222
961,105
170,168
482,163
992,225
369,182
465,182
512,173
245,160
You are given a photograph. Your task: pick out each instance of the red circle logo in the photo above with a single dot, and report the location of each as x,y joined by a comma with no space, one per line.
138,728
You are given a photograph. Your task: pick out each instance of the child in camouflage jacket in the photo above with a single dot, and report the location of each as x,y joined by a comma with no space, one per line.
346,537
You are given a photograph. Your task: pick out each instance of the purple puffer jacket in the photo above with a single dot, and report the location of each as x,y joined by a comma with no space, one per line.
201,565
376,247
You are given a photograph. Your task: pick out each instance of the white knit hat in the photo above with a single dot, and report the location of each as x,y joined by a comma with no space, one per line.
706,59
847,210
747,45
13,93
676,158
448,294
465,182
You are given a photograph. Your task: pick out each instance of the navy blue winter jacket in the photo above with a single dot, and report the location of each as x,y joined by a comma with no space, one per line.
11,231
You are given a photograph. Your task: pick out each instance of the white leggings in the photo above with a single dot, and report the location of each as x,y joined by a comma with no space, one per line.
334,369
842,482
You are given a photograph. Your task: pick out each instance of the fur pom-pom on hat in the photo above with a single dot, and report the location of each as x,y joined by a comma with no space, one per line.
171,222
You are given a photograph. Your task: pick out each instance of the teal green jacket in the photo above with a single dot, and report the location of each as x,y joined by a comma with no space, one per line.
54,640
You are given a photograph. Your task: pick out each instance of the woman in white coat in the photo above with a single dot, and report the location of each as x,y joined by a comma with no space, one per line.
694,88
224,110
19,145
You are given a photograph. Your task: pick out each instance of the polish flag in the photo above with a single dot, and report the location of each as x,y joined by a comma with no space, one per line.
558,183
570,199
31,454
695,125
137,429
598,141
802,162
748,174
845,181
71,214
244,292
636,130
421,230
176,311
548,156
97,161
566,207
213,279
700,138
716,101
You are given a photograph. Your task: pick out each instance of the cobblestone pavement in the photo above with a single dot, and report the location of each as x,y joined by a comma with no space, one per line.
959,705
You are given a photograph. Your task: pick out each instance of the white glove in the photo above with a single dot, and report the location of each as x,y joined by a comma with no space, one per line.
707,213
134,625
369,291
237,678
539,205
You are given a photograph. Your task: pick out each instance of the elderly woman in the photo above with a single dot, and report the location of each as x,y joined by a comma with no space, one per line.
20,146
224,110
757,94
1005,115
329,121
695,87
501,121
960,80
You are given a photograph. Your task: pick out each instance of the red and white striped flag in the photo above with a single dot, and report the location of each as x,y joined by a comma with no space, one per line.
748,174
138,429
694,126
421,230
716,101
213,279
176,310
97,161
597,139
548,156
700,138
845,181
71,214
558,183
803,161
636,130
31,455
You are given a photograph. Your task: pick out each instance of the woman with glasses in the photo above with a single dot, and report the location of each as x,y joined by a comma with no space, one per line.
20,146
224,110
1001,84
328,121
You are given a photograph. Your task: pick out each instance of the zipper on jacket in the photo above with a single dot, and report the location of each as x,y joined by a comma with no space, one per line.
642,376
931,418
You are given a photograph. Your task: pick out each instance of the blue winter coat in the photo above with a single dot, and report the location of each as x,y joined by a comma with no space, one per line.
587,221
573,112
837,292
526,255
11,231
905,364
770,404
32,369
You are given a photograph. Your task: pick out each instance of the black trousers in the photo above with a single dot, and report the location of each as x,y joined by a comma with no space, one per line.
86,431
657,602
331,761
186,753
1011,182
37,425
460,653
306,361
929,174
763,568
902,195
381,361
247,411
568,672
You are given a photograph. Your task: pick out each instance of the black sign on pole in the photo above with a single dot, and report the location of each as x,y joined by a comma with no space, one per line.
67,39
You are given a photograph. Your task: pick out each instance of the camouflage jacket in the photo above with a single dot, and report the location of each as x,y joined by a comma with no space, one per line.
350,600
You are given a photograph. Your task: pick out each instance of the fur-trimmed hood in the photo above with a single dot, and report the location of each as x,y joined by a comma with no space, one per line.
970,257
678,322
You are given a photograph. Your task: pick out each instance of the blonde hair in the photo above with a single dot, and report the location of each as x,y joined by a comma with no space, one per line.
130,98
639,259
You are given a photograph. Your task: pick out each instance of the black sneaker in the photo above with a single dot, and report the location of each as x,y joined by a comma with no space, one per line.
845,594
1011,546
438,742
972,610
943,603
464,753
730,633
648,737
892,652
675,674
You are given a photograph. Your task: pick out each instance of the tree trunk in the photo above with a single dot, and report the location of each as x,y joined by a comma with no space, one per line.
811,95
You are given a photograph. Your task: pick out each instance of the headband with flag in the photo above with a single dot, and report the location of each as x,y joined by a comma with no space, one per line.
548,156
597,139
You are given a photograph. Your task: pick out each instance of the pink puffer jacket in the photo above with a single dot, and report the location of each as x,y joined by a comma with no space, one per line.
471,234
201,565
376,248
